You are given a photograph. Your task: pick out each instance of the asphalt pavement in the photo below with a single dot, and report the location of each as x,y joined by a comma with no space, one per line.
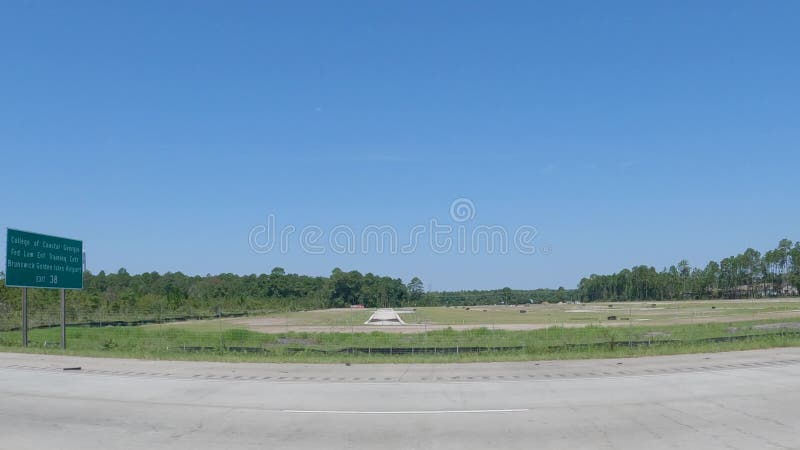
737,400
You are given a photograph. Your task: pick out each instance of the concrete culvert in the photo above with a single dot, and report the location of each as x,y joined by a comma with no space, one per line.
386,316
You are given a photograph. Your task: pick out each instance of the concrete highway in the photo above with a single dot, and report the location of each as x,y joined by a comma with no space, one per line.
740,400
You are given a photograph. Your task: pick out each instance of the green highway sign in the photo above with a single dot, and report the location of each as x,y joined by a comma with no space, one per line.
42,261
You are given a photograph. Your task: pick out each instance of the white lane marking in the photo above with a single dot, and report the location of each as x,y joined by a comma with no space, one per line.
435,411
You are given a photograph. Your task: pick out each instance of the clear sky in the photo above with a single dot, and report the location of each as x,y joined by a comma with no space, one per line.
161,133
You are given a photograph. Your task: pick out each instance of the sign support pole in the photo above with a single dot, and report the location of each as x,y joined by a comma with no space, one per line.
24,317
63,319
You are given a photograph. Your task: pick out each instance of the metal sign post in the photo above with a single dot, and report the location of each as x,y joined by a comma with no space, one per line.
63,319
24,317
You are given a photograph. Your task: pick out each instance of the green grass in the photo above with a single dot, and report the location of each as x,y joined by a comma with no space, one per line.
325,317
217,338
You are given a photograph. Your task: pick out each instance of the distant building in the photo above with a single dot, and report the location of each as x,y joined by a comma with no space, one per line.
787,289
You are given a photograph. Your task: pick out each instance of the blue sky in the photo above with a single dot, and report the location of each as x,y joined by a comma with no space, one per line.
627,133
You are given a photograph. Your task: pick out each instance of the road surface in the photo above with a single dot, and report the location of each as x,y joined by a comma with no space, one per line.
739,400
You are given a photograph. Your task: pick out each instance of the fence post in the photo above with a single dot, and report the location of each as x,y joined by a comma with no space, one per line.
219,320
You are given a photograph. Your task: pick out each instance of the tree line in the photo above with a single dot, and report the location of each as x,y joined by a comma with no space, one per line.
750,274
505,296
121,291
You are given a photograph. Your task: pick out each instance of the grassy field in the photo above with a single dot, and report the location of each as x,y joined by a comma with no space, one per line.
478,333
219,340
534,316
598,313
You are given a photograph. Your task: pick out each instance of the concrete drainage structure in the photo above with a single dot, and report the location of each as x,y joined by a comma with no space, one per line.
385,316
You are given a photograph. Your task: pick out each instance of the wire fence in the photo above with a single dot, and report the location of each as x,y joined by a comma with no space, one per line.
159,332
